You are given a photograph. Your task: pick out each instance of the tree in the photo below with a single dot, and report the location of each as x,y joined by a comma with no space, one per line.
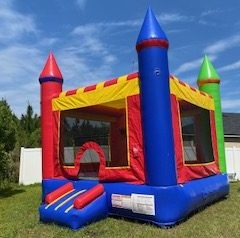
7,127
29,129
8,131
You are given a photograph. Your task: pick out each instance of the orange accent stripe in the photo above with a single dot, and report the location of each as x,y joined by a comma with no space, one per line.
90,88
202,82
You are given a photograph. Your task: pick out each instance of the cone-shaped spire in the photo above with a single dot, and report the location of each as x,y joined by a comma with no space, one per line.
150,28
51,68
207,71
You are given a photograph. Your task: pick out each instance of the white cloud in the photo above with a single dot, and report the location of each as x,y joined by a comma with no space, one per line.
21,63
92,42
207,23
230,67
191,65
19,70
223,45
18,63
210,12
48,41
14,25
87,61
81,4
167,18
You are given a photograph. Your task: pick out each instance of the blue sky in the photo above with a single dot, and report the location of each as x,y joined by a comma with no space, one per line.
95,40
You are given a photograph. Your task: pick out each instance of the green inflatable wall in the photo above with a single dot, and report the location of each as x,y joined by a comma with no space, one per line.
208,81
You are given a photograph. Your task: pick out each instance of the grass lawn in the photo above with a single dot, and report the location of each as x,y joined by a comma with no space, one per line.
19,218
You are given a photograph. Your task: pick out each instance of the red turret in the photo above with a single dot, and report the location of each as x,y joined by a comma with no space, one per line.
51,81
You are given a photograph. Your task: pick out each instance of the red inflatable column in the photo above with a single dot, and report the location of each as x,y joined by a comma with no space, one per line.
51,81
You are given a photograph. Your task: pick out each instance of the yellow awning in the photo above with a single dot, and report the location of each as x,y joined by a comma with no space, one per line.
123,87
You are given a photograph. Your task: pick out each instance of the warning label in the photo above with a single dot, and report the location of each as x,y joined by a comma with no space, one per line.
138,203
121,201
143,204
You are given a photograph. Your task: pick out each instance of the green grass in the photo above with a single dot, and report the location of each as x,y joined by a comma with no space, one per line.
19,218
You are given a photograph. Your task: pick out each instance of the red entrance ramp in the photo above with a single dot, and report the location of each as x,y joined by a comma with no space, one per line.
74,207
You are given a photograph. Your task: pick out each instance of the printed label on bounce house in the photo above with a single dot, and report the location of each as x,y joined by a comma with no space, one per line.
138,203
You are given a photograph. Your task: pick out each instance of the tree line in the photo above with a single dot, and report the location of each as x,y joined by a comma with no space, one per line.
16,133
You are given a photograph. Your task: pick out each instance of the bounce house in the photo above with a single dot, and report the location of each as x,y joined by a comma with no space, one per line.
122,147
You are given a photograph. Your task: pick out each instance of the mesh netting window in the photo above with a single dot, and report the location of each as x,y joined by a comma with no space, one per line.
102,125
188,138
79,131
196,134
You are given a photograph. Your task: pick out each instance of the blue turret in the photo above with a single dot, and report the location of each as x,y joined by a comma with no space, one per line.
152,46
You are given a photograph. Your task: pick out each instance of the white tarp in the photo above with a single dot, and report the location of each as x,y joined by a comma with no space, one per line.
30,170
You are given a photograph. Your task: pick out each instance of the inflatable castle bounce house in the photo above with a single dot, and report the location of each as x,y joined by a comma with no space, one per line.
145,146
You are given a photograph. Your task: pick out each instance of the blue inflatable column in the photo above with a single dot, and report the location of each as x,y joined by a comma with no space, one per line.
152,46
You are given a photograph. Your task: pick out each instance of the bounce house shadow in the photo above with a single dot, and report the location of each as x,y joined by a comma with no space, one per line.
197,211
10,191
202,209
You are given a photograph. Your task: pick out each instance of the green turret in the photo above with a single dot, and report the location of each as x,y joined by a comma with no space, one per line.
208,81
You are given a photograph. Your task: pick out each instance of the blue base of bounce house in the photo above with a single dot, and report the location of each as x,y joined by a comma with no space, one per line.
163,206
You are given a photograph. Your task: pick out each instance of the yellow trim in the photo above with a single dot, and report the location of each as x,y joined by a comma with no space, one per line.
80,90
119,104
120,167
122,79
200,164
98,96
68,166
68,199
62,94
180,129
50,204
69,208
58,141
100,85
184,92
124,88
127,132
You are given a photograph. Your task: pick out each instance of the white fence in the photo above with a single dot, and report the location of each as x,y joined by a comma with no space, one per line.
30,170
233,162
31,164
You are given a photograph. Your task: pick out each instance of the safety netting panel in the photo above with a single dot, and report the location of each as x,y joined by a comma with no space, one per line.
104,126
196,134
76,132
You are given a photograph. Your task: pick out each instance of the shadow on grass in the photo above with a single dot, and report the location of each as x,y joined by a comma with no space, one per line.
10,191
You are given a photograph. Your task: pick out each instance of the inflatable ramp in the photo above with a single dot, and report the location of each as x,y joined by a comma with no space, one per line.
74,207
